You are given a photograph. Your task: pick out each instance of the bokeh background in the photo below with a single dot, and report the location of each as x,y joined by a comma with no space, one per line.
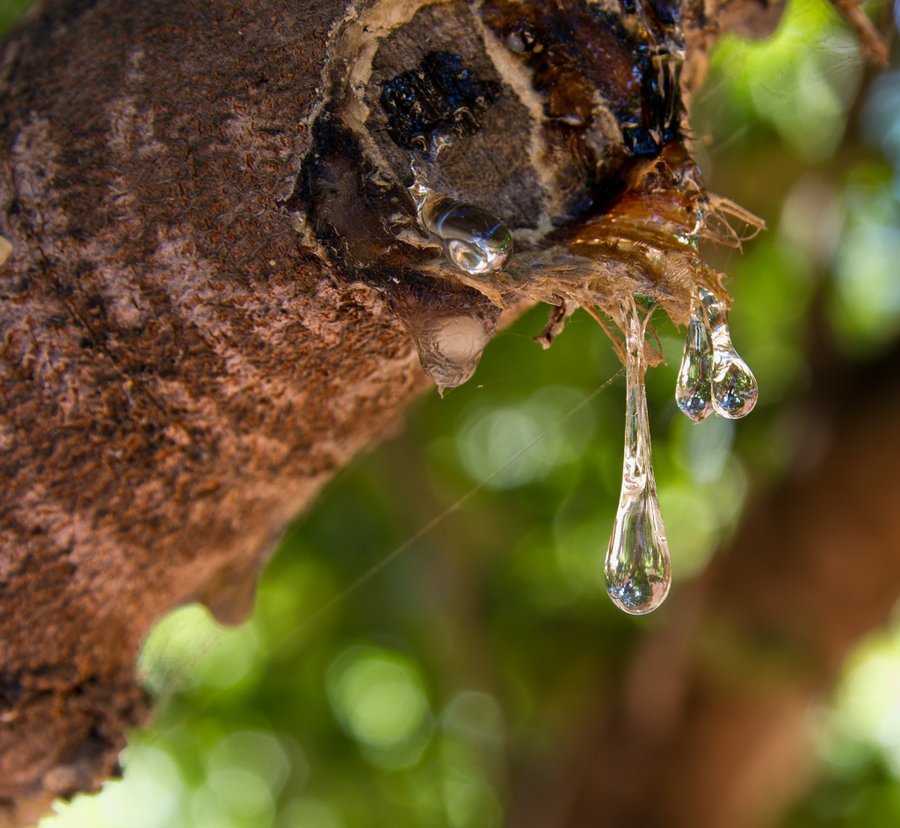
413,658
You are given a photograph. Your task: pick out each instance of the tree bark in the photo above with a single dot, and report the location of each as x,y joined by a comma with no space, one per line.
181,367
178,376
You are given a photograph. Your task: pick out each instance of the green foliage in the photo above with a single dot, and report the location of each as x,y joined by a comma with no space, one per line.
860,744
800,83
11,11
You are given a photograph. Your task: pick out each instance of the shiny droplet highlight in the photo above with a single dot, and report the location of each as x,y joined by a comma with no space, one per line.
693,391
638,571
474,240
734,388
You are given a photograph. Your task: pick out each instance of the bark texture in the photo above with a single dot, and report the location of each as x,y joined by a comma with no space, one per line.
179,370
178,376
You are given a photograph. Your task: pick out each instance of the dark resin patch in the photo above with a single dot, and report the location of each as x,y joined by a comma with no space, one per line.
440,97
337,189
661,110
576,50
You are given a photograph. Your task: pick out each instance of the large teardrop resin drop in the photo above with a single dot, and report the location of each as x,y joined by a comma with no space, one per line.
638,571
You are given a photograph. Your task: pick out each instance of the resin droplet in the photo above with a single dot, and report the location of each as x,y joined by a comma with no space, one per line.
450,347
474,240
692,391
734,388
637,563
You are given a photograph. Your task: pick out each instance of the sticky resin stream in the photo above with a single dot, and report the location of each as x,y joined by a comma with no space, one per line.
713,378
638,572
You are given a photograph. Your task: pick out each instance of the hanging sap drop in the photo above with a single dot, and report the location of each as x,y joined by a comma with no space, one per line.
474,240
734,388
638,572
693,392
450,347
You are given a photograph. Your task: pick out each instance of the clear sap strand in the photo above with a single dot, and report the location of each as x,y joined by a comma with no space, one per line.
734,388
638,571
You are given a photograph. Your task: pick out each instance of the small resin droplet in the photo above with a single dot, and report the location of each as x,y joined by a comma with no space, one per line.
692,390
450,347
734,388
638,572
474,240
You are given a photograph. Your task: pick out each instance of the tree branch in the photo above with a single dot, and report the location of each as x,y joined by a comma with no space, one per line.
187,354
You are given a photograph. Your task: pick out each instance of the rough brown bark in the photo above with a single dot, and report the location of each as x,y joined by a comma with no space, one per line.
179,372
178,376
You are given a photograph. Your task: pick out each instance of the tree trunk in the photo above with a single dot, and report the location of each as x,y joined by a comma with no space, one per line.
193,339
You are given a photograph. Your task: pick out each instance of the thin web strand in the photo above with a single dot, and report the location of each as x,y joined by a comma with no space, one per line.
359,582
